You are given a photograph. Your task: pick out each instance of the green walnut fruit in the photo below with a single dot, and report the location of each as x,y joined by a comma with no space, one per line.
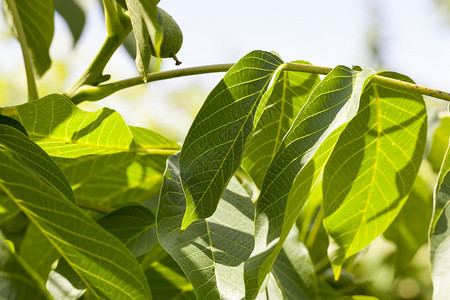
172,36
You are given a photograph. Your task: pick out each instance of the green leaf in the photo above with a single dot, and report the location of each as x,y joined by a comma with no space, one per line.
297,165
211,251
410,236
440,233
7,207
144,20
4,120
148,139
36,18
32,156
134,226
17,279
372,169
294,271
38,252
439,144
64,130
167,281
114,179
282,102
103,262
212,150
73,14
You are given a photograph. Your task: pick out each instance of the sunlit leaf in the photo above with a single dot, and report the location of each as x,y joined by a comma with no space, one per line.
36,18
212,251
296,167
212,150
17,279
440,233
372,168
282,101
104,263
64,130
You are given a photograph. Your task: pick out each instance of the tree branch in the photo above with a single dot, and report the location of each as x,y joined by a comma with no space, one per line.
93,93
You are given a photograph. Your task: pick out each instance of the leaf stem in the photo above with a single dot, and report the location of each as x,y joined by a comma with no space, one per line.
93,93
31,82
94,73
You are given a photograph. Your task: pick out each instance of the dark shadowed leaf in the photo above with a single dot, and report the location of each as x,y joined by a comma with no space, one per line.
73,14
133,225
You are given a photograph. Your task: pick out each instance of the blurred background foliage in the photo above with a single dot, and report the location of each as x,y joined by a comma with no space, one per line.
394,266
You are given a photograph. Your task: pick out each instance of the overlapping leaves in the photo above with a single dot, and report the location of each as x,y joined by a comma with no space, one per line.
18,280
372,168
104,264
213,147
440,233
279,107
212,251
297,165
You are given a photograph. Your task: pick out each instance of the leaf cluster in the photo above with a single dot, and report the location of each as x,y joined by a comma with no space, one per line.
283,185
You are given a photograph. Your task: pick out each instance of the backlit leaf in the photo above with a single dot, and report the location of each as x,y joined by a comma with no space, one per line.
212,150
282,101
103,262
372,168
296,167
211,251
440,233
64,130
